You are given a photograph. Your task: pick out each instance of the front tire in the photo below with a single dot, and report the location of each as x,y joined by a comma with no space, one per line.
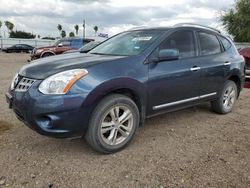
226,98
113,124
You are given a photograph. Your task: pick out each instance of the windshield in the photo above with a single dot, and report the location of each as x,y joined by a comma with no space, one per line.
127,43
57,42
89,46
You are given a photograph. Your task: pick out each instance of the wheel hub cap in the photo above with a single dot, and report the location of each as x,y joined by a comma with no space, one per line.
116,125
229,98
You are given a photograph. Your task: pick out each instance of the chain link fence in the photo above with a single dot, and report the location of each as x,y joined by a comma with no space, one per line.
7,42
242,45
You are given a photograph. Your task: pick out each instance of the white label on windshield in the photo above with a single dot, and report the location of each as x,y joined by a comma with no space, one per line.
141,38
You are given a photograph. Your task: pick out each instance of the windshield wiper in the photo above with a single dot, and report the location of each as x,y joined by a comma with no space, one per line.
98,53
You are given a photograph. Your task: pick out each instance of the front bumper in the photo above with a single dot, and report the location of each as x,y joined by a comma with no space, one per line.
60,116
34,56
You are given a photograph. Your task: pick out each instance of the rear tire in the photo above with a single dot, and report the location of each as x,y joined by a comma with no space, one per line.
226,98
113,124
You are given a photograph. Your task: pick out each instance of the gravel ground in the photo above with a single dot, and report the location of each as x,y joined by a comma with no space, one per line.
188,148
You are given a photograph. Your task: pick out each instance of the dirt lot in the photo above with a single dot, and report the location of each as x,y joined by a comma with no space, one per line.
189,148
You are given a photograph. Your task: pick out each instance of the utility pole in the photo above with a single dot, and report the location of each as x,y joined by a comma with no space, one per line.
84,26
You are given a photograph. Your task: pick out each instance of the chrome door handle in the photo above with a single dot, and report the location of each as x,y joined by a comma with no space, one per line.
227,63
195,68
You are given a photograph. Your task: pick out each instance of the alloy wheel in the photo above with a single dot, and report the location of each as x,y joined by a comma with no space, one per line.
229,98
116,125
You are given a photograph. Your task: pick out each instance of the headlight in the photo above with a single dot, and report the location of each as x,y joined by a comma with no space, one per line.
61,82
14,82
38,51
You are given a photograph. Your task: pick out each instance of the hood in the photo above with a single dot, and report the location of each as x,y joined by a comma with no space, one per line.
70,51
45,47
42,68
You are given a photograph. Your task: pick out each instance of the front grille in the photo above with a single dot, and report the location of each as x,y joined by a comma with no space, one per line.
24,84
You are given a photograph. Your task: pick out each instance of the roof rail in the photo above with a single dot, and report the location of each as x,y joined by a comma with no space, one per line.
139,27
196,25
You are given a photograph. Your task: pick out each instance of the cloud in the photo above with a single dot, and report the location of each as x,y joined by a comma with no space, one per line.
111,16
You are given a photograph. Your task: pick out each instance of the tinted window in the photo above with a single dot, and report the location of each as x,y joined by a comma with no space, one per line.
183,41
209,44
226,43
76,43
18,46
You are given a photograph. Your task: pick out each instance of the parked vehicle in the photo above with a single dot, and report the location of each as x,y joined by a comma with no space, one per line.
59,47
17,48
245,52
106,94
85,49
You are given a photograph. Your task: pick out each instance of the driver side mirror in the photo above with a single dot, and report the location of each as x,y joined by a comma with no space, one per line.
60,45
168,54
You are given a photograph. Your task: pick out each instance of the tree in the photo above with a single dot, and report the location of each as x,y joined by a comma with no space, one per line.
9,25
21,34
59,27
76,28
49,38
71,34
237,21
63,34
95,29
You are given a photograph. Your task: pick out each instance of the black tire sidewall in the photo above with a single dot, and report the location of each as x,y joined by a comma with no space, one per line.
47,55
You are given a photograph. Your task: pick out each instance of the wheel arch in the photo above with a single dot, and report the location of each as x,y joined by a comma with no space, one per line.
125,86
47,51
236,79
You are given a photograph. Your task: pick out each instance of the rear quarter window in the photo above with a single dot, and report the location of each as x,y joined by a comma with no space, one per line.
225,42
209,44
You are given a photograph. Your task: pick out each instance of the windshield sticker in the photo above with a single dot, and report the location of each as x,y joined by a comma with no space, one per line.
141,39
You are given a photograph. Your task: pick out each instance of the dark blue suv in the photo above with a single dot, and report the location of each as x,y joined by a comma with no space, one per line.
106,94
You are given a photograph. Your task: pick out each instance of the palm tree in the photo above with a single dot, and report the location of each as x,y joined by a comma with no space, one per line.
9,25
63,34
95,29
76,28
71,34
59,27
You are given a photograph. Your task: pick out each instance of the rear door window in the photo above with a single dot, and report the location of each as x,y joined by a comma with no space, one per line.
209,44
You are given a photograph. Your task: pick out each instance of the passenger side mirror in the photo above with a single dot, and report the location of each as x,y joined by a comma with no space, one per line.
168,54
64,43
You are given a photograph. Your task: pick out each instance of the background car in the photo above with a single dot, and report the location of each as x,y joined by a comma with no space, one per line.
18,48
86,48
245,52
62,45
